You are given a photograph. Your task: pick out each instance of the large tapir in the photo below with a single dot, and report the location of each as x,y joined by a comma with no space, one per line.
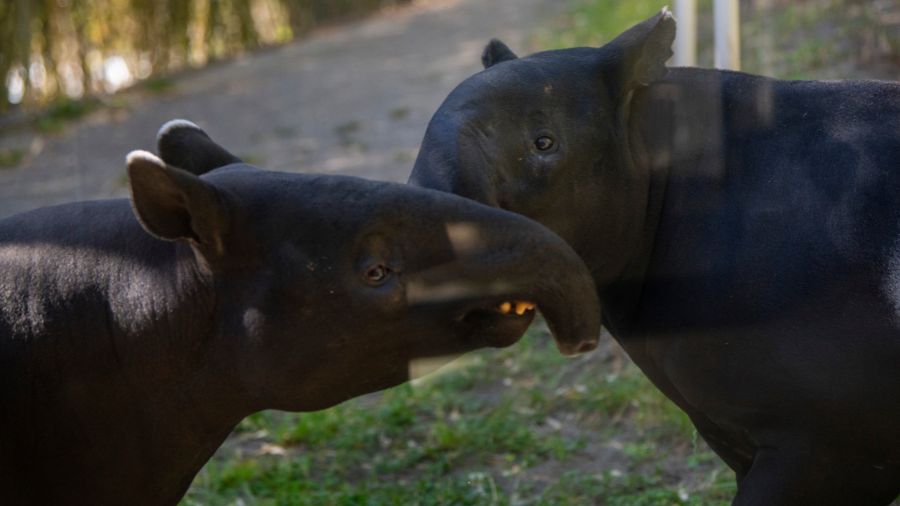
743,233
133,340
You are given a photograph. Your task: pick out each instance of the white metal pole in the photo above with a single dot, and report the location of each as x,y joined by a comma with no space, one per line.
728,34
686,35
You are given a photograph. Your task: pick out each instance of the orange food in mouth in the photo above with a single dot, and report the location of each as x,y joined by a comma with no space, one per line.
520,307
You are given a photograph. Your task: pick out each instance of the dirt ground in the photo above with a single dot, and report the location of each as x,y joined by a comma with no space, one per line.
353,99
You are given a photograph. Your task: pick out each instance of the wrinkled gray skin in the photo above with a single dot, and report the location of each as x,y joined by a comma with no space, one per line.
742,233
135,335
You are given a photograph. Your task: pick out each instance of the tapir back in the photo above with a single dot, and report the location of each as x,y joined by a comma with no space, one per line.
794,182
68,259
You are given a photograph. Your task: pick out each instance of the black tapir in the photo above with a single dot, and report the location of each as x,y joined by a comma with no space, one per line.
135,335
743,233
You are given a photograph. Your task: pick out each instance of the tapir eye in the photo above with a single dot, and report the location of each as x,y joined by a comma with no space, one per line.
543,143
377,274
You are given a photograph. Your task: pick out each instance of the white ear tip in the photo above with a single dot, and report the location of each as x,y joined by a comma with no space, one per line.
173,124
666,13
141,155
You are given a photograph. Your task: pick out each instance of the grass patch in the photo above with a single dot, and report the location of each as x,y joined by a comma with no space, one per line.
346,134
347,129
252,158
405,156
399,113
285,132
64,111
159,85
820,39
11,157
596,22
515,426
123,180
814,39
618,489
784,42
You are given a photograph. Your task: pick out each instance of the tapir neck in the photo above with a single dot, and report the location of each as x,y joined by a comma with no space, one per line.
122,355
675,129
626,254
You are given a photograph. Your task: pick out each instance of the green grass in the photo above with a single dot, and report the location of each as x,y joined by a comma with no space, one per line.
347,129
596,22
399,113
517,426
787,42
64,111
252,158
11,157
346,134
160,85
814,39
285,131
405,156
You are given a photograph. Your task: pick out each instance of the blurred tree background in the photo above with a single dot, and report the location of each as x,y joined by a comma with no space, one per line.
53,49
788,39
68,49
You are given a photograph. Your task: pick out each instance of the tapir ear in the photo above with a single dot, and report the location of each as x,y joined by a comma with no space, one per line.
173,204
180,143
496,52
639,55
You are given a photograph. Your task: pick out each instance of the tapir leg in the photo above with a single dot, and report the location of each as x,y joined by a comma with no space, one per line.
799,476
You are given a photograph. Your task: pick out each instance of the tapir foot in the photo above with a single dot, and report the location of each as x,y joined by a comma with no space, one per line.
185,145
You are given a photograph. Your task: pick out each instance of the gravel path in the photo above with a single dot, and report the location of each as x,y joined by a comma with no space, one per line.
353,99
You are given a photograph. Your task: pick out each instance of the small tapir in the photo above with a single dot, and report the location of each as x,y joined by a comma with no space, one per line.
743,233
134,336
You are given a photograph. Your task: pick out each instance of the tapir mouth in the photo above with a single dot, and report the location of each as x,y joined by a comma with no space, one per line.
498,324
503,324
498,314
519,307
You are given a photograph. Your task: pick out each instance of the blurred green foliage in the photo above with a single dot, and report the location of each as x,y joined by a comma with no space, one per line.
10,157
791,39
822,39
596,22
63,48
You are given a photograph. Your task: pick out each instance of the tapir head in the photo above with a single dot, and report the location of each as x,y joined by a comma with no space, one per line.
547,136
328,287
